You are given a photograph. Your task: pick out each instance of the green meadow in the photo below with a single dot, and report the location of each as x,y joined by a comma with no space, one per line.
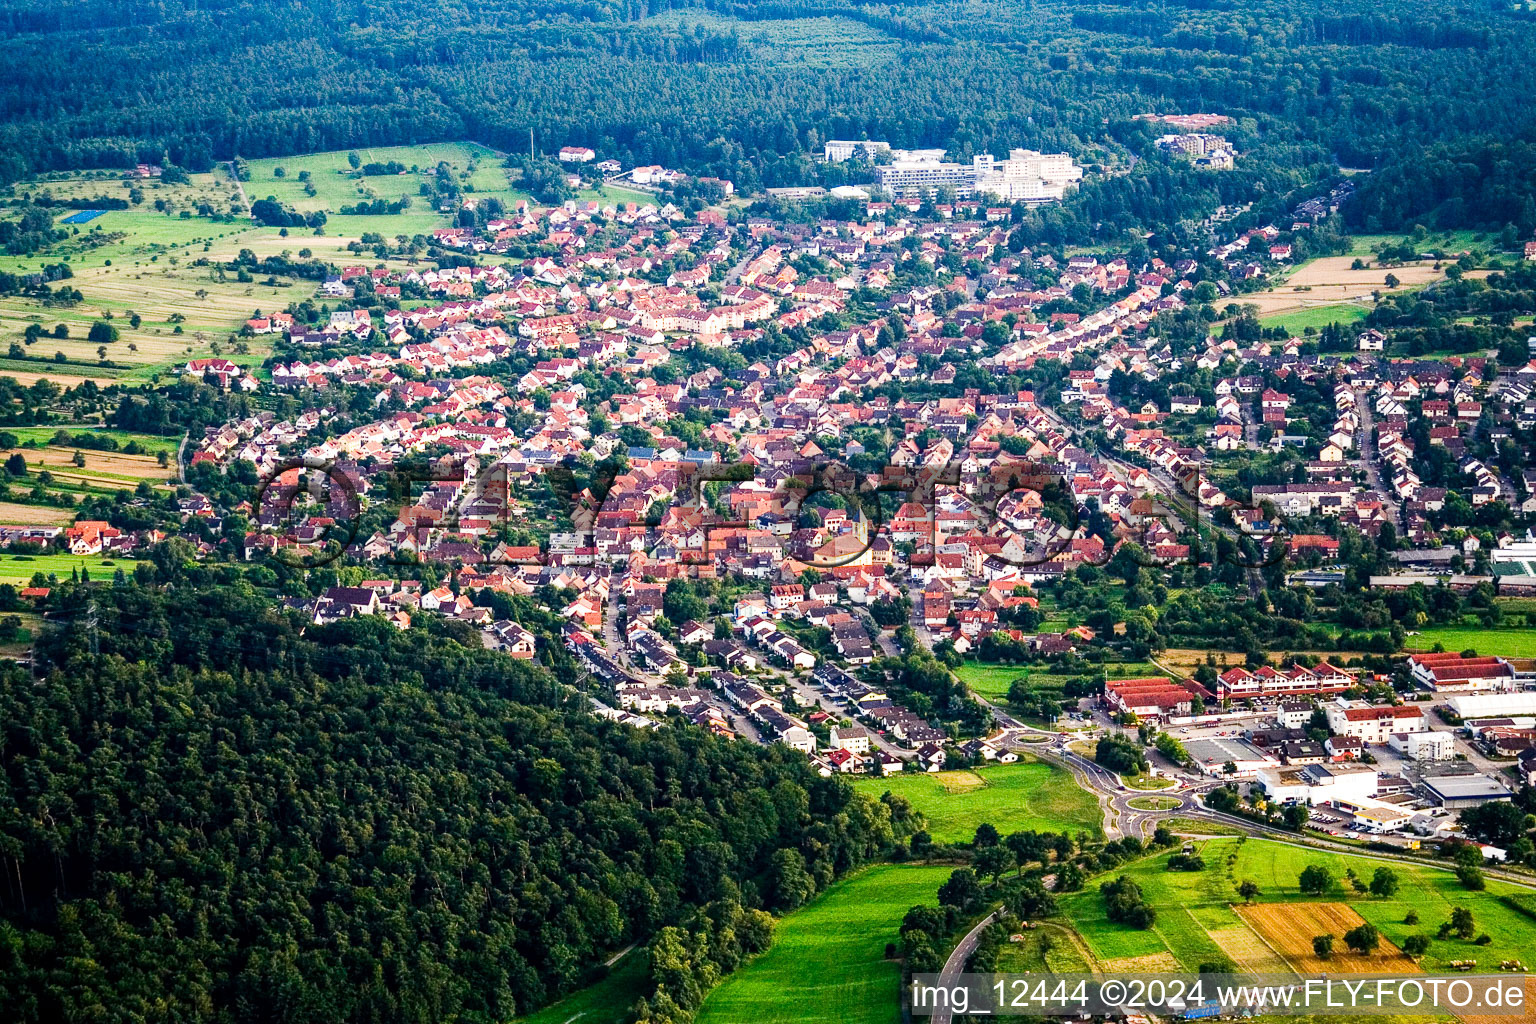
19,569
150,443
1507,643
991,680
827,961
1011,797
1316,317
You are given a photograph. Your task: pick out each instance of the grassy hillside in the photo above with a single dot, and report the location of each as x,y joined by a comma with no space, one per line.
827,962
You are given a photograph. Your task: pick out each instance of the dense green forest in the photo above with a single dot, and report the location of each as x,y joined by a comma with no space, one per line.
211,815
749,91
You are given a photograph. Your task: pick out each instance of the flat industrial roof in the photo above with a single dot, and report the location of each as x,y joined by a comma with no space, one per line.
1463,787
1219,750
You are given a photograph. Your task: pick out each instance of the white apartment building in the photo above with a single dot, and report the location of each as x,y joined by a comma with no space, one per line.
1424,746
1372,723
839,150
1026,176
852,738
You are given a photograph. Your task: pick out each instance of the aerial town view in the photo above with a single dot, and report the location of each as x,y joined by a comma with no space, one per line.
839,513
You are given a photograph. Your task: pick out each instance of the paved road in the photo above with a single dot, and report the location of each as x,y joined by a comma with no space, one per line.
1370,462
955,965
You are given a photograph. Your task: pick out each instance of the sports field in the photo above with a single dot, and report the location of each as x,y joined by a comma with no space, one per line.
827,961
1012,797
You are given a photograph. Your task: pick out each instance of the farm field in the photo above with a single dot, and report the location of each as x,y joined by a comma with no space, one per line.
827,961
603,1002
1184,660
15,514
38,436
21,568
1012,797
1329,282
1289,928
102,470
1200,916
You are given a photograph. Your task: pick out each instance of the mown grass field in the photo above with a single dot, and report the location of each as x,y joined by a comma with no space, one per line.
1196,922
1011,797
21,568
336,184
827,962
1316,317
992,680
1366,246
1045,948
479,171
1508,643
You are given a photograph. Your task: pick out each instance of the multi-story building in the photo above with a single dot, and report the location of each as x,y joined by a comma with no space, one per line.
1321,679
1156,697
1211,152
1026,176
1452,673
839,150
1374,723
